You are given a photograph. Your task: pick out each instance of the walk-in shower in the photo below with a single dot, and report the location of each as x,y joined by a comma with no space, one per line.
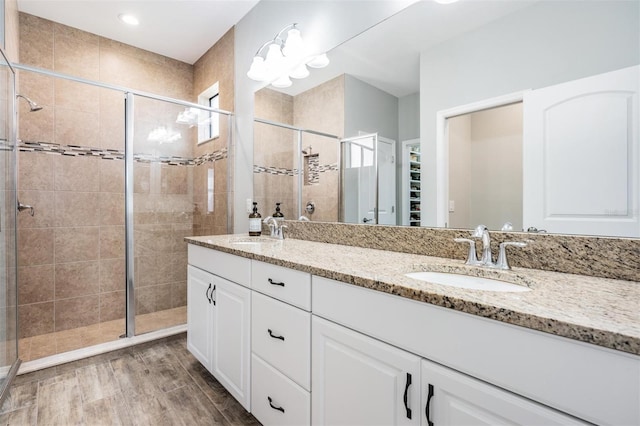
9,361
296,177
116,184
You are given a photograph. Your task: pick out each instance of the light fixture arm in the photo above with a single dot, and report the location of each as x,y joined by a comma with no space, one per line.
284,57
278,39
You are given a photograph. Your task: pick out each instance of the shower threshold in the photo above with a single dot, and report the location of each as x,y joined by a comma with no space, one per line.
61,342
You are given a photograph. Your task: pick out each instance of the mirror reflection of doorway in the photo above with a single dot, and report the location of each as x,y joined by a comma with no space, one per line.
485,168
368,180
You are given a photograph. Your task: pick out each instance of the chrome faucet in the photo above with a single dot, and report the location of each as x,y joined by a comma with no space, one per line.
486,260
276,228
482,232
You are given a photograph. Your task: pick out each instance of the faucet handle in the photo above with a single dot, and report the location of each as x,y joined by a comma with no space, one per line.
503,262
471,255
281,232
479,230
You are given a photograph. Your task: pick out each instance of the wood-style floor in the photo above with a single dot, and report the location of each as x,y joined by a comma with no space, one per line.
155,383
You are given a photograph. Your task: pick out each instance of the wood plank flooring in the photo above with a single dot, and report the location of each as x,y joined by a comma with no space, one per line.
155,383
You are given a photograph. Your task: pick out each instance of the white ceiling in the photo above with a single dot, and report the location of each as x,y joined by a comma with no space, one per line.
386,56
180,29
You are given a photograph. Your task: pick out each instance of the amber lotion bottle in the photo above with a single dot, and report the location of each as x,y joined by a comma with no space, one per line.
255,222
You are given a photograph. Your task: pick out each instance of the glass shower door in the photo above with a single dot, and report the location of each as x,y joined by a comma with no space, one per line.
180,188
9,361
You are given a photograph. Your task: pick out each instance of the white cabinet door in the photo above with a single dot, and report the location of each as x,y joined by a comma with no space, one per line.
453,398
581,156
357,380
231,348
199,314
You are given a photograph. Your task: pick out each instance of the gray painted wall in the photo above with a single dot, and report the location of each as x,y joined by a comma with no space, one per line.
546,44
409,117
369,109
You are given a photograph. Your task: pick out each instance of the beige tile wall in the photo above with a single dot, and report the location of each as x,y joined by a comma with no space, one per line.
274,147
71,253
277,147
216,65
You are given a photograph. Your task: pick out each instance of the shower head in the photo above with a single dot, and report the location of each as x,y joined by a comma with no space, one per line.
32,105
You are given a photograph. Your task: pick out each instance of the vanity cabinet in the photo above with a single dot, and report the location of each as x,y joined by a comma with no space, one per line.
281,345
219,320
555,374
311,350
199,314
453,398
358,380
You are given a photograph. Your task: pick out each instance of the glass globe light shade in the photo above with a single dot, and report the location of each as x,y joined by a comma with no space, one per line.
274,61
293,47
319,61
282,82
258,70
300,71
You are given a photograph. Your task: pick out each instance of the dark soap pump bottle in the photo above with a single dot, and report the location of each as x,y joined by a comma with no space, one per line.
255,222
278,215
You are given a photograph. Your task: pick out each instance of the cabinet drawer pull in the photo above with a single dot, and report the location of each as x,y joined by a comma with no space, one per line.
406,392
274,336
272,282
273,406
207,293
427,410
212,299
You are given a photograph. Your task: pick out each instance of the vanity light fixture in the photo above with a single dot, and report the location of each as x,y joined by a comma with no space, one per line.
128,19
285,58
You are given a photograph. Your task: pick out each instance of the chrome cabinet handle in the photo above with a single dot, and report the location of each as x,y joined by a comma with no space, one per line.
365,220
22,207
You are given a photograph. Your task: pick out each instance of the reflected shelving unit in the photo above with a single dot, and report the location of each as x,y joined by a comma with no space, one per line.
411,186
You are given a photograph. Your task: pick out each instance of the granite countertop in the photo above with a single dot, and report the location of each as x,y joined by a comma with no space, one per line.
600,311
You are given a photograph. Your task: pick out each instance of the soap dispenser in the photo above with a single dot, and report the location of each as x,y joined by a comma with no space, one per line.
255,221
278,215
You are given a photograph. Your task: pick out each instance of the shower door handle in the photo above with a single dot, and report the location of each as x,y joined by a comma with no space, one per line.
22,207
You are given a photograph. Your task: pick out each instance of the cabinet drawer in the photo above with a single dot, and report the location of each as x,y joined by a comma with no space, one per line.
281,335
285,284
234,268
276,400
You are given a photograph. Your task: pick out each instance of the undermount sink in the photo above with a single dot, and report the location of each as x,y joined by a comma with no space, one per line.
466,281
251,240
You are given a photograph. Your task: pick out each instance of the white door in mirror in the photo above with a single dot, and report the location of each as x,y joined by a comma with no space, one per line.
578,174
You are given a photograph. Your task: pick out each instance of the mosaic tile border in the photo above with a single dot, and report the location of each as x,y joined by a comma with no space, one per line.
114,154
293,172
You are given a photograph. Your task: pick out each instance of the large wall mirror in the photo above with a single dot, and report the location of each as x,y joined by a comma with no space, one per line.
493,112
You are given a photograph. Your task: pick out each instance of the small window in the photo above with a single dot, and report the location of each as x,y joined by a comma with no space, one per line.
209,123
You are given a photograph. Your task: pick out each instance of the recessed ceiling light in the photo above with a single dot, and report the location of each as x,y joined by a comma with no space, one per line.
128,19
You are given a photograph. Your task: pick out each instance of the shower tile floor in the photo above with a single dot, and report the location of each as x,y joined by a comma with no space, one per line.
154,383
36,347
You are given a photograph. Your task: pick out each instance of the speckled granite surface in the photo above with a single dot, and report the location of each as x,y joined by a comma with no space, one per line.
600,311
606,257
